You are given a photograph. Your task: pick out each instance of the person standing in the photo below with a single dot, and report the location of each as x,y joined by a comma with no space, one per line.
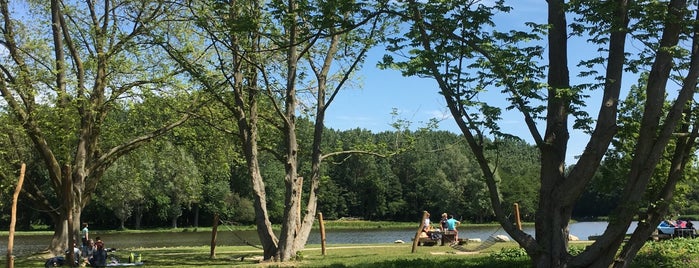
84,236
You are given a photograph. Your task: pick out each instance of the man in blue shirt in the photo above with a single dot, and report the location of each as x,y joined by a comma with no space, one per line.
451,226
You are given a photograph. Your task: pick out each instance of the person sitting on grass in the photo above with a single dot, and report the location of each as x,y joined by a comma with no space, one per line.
99,256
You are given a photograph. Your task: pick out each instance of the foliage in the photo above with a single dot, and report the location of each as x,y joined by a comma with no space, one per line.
510,254
66,65
679,252
125,186
436,173
457,44
397,182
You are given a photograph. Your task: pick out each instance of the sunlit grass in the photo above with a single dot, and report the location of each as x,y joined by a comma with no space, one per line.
500,255
367,255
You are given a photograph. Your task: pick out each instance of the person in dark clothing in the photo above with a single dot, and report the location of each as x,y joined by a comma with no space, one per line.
99,256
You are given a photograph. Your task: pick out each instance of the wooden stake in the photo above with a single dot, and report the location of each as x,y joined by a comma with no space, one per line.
214,233
517,219
419,230
322,233
13,219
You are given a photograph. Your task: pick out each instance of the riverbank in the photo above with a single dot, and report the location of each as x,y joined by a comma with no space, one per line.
329,225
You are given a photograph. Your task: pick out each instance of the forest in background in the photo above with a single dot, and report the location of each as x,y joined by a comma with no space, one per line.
182,179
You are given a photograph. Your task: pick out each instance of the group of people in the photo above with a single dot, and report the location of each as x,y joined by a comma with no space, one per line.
446,223
92,252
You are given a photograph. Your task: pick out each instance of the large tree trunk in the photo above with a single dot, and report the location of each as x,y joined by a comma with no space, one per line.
264,226
552,235
553,214
293,183
59,241
292,219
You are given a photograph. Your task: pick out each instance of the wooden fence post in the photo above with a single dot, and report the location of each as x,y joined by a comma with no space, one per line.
214,233
13,219
322,233
517,219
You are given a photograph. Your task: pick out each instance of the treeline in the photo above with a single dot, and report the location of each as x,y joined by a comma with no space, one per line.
196,171
392,175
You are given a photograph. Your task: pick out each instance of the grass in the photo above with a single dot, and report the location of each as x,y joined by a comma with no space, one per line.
367,255
673,253
678,252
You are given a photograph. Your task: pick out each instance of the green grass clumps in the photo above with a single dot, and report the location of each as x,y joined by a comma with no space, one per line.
678,252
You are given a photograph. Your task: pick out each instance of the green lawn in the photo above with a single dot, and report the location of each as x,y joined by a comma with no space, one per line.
367,255
669,253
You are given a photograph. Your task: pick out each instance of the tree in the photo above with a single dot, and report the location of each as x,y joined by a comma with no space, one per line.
66,66
126,183
266,64
451,42
12,147
177,179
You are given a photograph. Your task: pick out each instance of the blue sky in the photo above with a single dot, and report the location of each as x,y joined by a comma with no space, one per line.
417,100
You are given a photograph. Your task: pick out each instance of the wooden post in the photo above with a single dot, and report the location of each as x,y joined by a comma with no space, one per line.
322,233
419,230
517,219
13,219
214,232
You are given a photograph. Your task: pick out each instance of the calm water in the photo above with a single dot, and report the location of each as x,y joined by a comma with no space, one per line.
30,244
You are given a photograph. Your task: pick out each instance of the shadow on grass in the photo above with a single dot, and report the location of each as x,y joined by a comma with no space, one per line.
441,263
199,260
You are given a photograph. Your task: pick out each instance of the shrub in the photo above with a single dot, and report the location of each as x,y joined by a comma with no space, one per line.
678,252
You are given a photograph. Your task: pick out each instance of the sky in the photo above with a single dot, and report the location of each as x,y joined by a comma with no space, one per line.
417,100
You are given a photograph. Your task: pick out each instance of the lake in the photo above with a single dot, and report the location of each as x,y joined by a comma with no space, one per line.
30,244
